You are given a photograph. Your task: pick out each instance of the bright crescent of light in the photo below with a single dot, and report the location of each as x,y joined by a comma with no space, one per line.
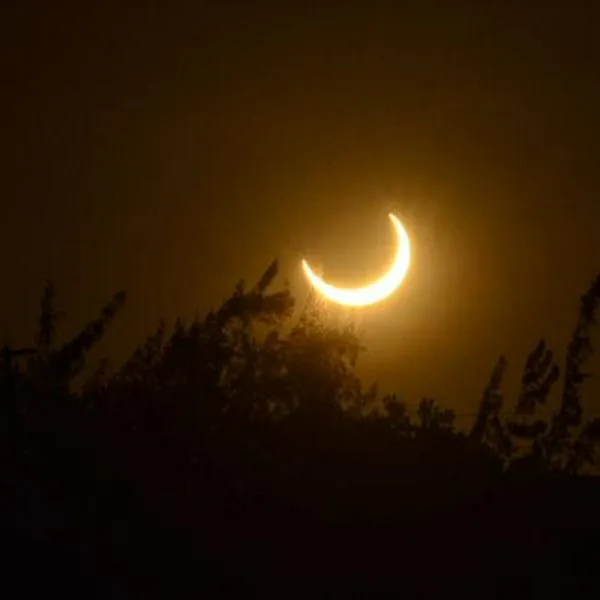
376,291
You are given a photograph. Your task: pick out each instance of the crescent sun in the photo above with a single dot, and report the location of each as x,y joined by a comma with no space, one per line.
376,291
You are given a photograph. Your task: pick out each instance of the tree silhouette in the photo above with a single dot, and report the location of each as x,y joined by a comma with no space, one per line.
251,423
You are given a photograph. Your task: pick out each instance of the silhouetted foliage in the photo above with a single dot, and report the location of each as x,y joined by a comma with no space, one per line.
433,417
251,422
488,427
48,317
539,375
570,414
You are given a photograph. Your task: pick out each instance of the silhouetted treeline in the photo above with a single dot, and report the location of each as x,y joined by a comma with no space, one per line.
240,451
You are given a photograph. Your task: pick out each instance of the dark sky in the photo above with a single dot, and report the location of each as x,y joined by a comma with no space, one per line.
174,151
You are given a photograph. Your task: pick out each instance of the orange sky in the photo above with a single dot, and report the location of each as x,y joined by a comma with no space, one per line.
173,154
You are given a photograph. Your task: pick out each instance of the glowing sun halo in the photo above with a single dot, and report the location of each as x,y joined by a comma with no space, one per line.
376,291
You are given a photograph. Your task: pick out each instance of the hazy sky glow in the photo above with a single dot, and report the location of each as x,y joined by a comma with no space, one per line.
171,153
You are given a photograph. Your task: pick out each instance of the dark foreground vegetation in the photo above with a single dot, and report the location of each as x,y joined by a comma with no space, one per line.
240,454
